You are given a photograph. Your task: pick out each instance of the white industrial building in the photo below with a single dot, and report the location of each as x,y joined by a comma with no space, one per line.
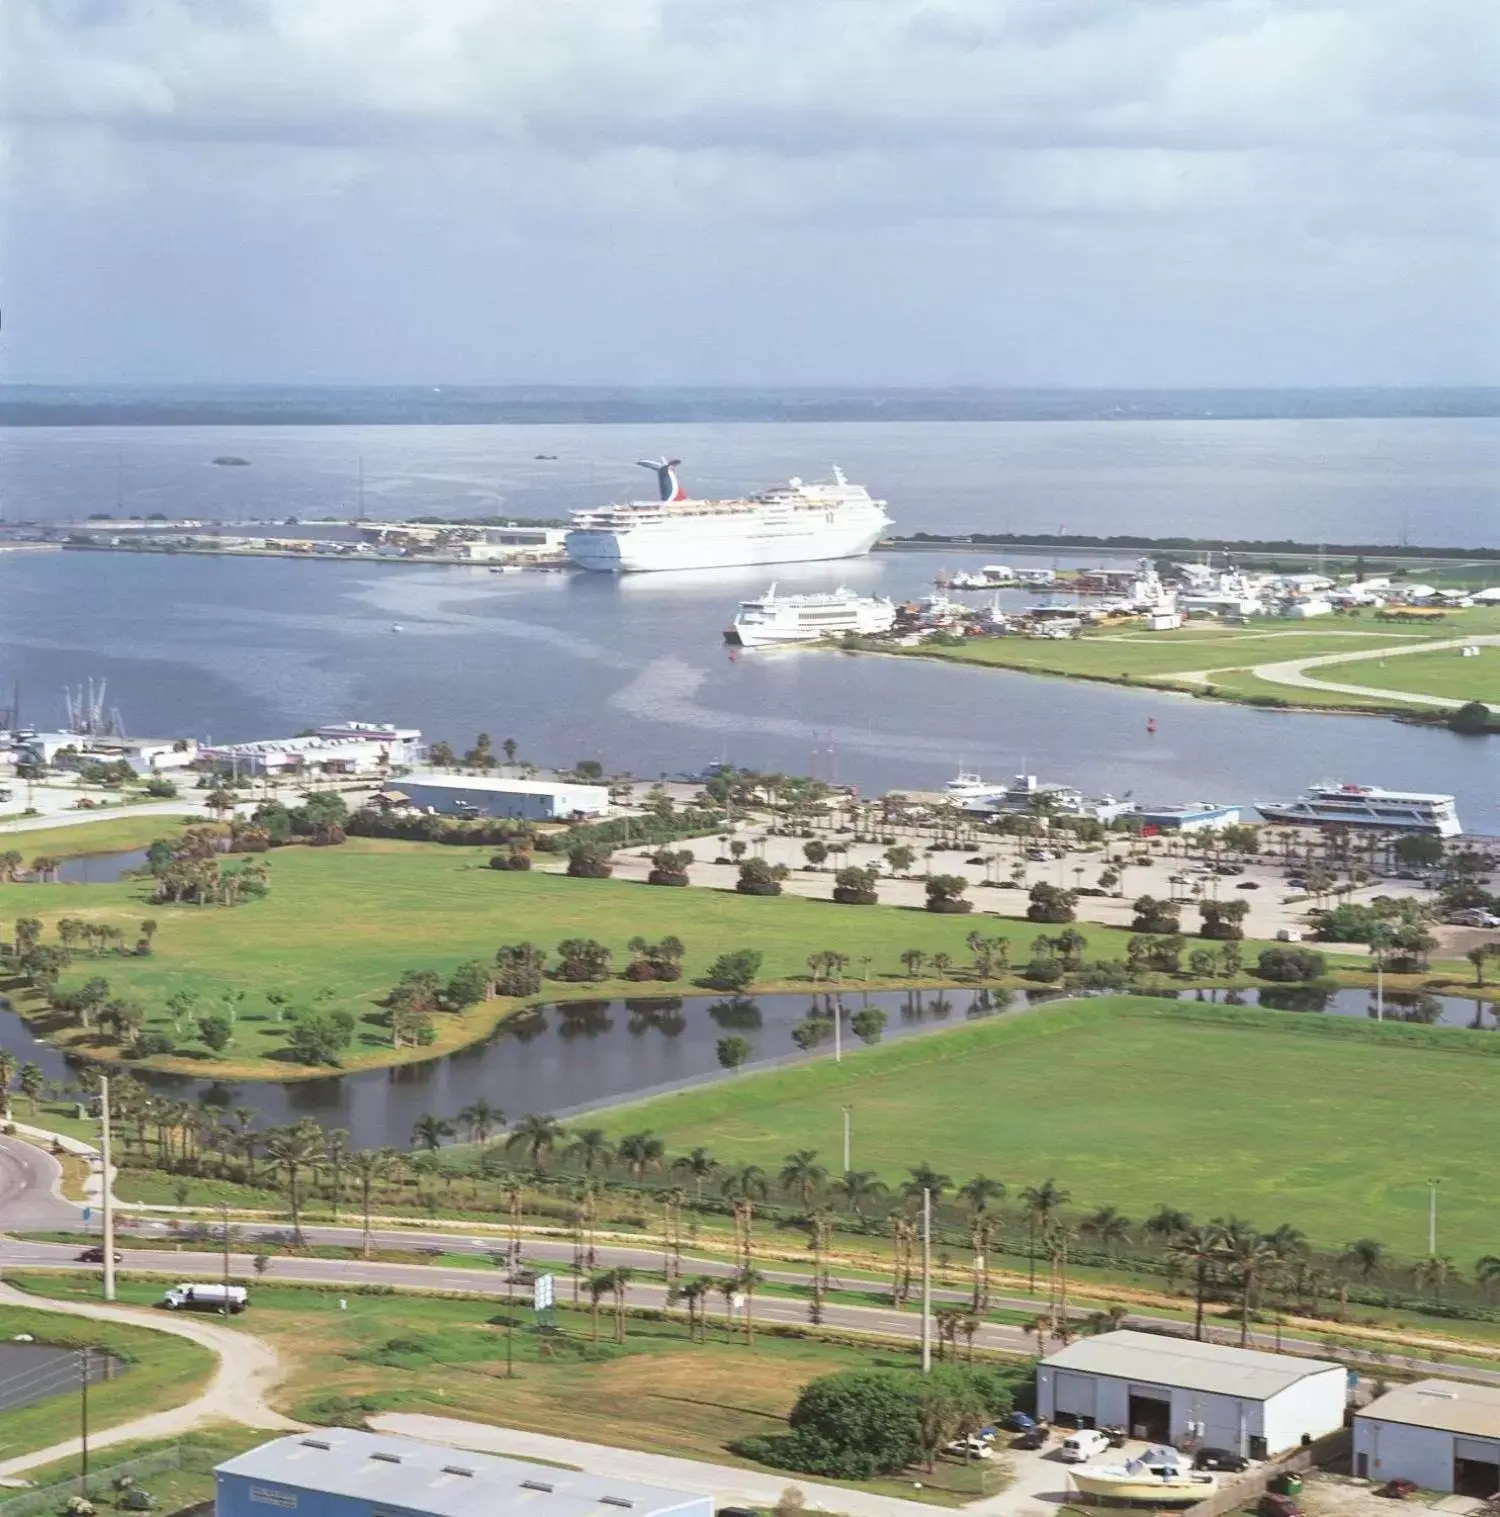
340,1472
341,748
1192,1395
528,800
1443,1434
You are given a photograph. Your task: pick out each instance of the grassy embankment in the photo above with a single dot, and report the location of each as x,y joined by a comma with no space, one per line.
161,1370
1226,656
1332,1125
340,925
658,1392
116,834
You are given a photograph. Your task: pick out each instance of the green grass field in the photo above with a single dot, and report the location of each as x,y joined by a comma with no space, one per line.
119,834
1128,1102
1445,673
161,1370
1127,654
340,925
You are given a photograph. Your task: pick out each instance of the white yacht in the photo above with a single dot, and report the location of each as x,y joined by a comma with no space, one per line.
1367,806
792,523
1026,794
776,619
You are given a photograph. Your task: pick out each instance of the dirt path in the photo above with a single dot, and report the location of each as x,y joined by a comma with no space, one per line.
248,1368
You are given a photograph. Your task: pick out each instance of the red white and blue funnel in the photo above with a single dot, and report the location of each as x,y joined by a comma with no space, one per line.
666,476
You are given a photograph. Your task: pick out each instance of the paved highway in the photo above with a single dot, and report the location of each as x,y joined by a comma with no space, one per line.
29,1179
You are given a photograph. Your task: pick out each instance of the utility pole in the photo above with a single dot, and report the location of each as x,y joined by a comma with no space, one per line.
838,1033
108,1200
224,1217
847,1165
1432,1190
1379,986
83,1413
926,1281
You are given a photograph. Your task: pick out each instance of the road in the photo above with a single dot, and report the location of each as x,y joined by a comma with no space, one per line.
247,1369
1294,671
887,1321
29,1183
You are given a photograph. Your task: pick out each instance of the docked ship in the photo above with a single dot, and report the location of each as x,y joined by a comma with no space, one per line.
1367,806
1026,795
776,619
792,523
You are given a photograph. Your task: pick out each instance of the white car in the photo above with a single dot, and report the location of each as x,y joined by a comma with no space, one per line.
972,1447
1080,1447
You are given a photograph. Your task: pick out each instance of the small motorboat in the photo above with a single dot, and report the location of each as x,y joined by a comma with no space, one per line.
1160,1475
397,627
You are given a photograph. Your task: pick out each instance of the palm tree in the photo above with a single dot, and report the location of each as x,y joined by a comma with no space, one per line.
1040,1202
537,1136
1108,1228
1435,1271
481,1119
802,1175
742,1187
1199,1247
370,1165
978,1193
429,1132
1166,1223
8,1066
858,1189
746,1281
925,1177
1248,1257
620,1279
639,1152
700,1164
591,1150
292,1150
336,1151
1365,1255
1487,1272
599,1286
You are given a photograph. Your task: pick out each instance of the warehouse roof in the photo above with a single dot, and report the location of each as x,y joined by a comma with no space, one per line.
1444,1404
1187,1365
495,785
404,1474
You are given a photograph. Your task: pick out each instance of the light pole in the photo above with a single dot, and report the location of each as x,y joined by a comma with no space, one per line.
838,1032
107,1196
1432,1190
847,1165
926,1281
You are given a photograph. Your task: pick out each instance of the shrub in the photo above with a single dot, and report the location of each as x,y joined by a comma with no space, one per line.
853,886
1471,719
1044,971
734,971
945,894
516,858
589,861
1223,920
669,866
757,877
1153,915
1291,965
1051,903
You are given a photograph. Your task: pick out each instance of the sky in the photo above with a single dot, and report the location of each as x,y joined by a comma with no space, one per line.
751,192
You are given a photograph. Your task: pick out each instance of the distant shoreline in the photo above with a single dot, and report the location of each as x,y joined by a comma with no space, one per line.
47,405
1245,548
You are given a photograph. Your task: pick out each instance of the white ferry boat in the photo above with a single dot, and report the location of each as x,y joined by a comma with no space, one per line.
775,619
1026,794
1368,806
792,523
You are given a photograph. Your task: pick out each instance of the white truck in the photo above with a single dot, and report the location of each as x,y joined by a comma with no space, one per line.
206,1298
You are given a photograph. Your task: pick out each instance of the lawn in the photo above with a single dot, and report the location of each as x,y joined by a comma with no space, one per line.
1274,1116
1129,654
119,834
340,925
1444,673
161,1371
658,1392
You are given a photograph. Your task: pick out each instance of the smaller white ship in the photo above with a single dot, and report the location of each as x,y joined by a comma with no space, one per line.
1368,807
775,619
1160,1475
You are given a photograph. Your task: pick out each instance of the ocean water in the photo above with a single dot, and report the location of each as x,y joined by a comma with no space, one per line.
1427,480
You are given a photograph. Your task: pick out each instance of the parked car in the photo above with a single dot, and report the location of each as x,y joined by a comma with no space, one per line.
1018,1422
1272,1505
1080,1447
95,1255
1220,1459
972,1447
1247,885
1117,1436
1035,1437
1398,1489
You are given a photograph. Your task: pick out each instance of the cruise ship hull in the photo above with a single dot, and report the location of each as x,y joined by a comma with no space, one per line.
1299,817
686,545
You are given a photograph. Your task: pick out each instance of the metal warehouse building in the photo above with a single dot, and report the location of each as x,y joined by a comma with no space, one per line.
1440,1433
531,800
1178,1391
338,1472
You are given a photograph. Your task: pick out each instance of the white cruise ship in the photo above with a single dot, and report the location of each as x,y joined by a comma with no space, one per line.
776,619
792,523
1367,806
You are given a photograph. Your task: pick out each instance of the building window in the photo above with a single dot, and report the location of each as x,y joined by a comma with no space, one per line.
266,1496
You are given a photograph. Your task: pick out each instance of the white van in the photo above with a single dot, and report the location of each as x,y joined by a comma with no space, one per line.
206,1298
1080,1447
